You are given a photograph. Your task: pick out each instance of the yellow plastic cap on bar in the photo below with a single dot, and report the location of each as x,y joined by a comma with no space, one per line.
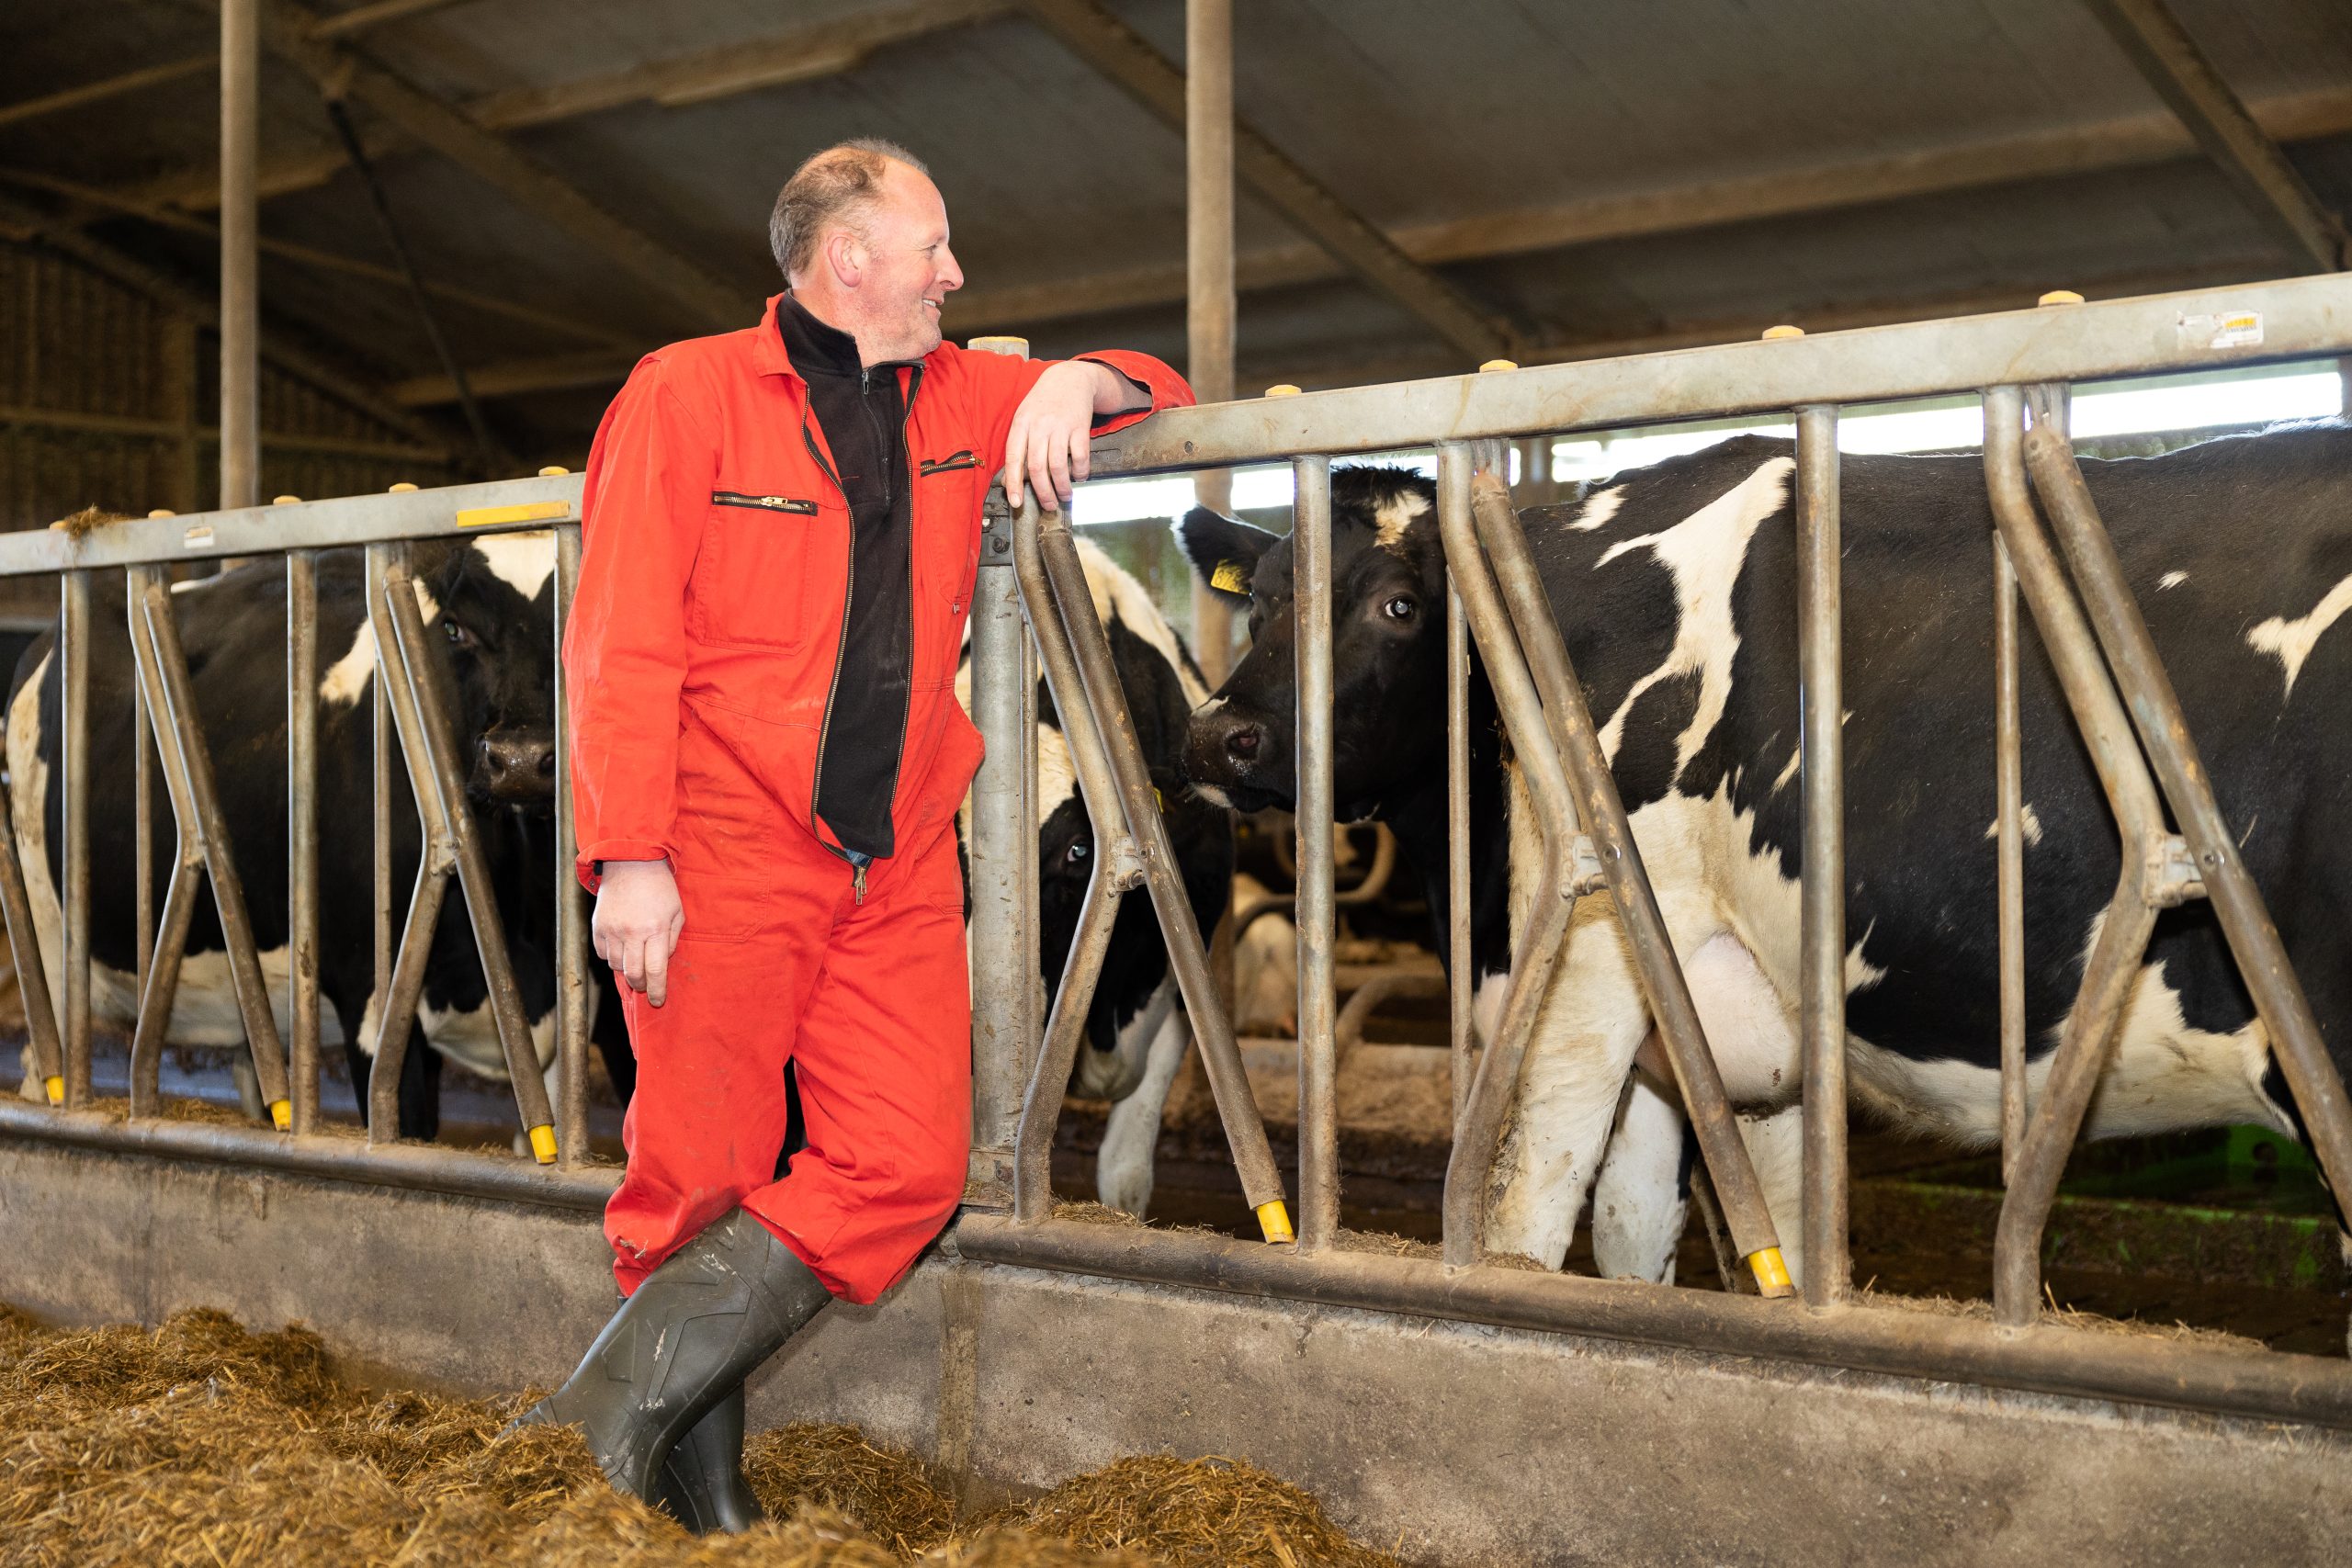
1282,390
543,1150
285,501
1499,365
1771,1273
403,488
1018,347
1783,330
553,471
2060,297
162,512
1274,1220
281,1115
56,1087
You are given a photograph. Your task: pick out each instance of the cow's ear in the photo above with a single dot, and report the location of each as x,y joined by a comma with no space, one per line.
1224,550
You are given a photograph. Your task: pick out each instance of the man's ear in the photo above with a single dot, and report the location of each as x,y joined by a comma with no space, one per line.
1224,550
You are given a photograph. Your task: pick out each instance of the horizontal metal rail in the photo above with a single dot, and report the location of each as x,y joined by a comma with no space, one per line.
2210,329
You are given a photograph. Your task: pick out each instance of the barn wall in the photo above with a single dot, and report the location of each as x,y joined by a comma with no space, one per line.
108,400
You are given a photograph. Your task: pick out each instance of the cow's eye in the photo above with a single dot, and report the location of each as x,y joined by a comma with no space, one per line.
458,635
1078,851
1400,608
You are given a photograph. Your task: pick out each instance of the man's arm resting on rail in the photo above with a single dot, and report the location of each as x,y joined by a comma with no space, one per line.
637,920
1051,429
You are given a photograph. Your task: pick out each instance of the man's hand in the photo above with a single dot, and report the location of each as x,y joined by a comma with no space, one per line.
637,924
1047,446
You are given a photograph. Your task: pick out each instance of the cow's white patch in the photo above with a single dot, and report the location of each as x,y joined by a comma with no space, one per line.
1595,513
347,678
1638,1206
1704,553
2171,579
1123,1167
1788,770
1393,518
2292,641
468,1036
28,814
1265,965
1118,596
523,561
2027,821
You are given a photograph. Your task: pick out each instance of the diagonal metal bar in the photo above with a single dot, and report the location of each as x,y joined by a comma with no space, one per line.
1117,868
204,844
2160,48
1567,721
24,952
427,740
1095,35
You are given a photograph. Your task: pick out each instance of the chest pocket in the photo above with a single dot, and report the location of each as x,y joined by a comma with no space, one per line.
751,581
951,490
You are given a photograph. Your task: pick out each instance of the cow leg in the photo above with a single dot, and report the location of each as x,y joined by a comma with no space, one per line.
1123,1167
1569,1085
1641,1204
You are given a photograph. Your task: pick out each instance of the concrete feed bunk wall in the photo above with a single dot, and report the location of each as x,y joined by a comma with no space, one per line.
1453,1443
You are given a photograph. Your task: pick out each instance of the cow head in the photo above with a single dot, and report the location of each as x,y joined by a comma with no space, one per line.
1387,649
496,603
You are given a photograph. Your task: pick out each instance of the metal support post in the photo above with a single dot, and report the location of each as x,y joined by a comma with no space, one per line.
570,898
2009,818
1002,855
74,634
1319,1132
239,276
1822,964
1461,1023
1208,272
303,832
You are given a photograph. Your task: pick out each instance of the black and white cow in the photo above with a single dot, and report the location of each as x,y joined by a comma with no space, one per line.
493,600
1675,589
1136,1032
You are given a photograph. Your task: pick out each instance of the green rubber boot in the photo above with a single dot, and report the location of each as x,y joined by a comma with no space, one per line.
694,1330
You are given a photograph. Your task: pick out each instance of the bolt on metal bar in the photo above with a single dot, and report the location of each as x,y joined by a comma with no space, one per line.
1461,1023
1319,1132
73,633
419,666
302,833
2164,729
2008,817
570,898
205,848
1479,1127
1828,1267
1568,730
2123,933
1001,856
1116,868
1076,653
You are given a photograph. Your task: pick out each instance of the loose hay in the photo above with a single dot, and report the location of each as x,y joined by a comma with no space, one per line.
205,1444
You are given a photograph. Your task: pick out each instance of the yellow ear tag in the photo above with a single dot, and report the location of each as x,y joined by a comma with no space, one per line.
1230,577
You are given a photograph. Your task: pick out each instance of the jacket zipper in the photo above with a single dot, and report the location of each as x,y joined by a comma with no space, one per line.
798,507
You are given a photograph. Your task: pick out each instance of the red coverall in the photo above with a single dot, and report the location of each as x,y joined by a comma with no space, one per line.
701,660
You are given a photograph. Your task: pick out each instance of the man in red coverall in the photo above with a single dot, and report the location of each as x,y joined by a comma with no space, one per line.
781,528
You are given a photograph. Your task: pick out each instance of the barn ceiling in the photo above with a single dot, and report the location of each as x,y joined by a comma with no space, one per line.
580,180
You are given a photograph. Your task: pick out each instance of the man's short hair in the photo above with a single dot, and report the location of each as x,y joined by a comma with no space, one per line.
836,185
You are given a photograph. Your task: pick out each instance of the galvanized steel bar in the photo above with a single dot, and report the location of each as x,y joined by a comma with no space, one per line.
1822,960
2299,318
1319,1132
571,955
142,831
159,973
430,736
1001,859
1116,869
303,834
47,1051
240,255
189,759
2163,728
1461,1023
1479,1126
1209,299
1568,723
1077,655
74,634
2009,818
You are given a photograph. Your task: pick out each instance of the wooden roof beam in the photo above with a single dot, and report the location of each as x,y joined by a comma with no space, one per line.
2164,53
538,190
98,92
1090,31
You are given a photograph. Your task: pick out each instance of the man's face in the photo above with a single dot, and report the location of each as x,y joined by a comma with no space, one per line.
909,269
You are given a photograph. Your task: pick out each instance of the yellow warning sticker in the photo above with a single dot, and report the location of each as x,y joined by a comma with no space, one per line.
530,511
1230,577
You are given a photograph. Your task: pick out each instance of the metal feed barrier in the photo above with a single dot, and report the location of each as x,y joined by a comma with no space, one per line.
414,703
1030,580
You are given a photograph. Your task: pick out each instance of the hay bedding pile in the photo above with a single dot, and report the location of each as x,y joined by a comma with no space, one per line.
202,1443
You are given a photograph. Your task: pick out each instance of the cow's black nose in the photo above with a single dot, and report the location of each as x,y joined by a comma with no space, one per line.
1242,742
519,767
